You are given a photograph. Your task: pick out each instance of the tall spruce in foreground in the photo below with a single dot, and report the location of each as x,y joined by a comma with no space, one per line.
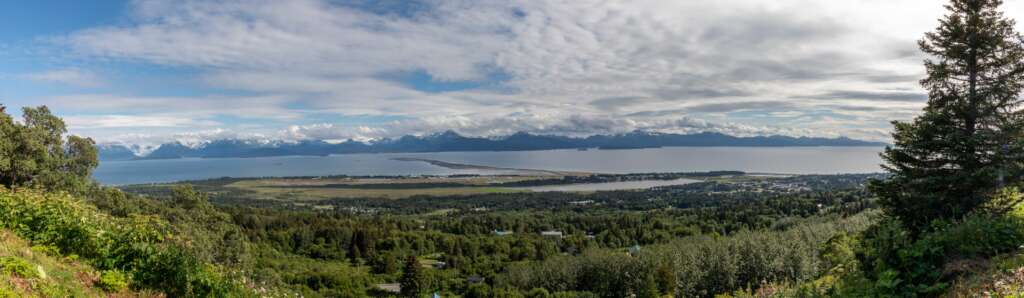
950,160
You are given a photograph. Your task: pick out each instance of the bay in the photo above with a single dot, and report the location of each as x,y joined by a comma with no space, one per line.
781,160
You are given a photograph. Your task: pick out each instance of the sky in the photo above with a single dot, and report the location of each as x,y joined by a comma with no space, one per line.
151,71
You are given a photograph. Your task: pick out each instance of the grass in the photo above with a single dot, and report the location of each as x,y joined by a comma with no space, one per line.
307,191
293,190
1002,276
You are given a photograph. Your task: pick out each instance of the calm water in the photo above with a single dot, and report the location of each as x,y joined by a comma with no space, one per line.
787,160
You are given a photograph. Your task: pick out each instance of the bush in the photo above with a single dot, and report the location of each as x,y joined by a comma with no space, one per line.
903,267
180,274
112,281
17,266
136,245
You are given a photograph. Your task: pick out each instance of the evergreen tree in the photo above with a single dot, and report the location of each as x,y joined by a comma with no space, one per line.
949,161
412,278
648,287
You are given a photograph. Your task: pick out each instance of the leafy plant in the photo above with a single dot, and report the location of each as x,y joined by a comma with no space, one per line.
18,267
112,281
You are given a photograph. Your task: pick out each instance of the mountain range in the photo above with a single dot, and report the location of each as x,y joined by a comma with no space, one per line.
451,141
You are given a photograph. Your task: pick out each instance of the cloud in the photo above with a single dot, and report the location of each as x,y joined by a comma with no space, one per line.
567,67
73,77
261,107
298,36
121,121
871,95
742,106
578,125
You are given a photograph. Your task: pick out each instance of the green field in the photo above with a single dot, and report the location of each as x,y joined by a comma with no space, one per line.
312,189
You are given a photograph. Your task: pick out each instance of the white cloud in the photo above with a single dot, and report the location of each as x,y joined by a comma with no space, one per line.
73,77
549,124
121,121
571,67
262,107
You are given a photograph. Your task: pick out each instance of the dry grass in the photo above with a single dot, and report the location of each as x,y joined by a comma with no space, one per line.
999,277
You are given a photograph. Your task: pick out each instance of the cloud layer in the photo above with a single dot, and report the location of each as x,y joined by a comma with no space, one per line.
291,69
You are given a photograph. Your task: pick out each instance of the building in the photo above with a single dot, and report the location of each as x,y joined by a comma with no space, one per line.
502,233
552,234
390,288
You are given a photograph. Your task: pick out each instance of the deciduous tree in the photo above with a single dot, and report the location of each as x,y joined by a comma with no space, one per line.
34,153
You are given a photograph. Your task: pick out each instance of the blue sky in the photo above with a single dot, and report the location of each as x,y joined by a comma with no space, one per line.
151,71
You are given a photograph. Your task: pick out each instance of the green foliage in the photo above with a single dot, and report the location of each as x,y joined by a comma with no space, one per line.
180,274
34,153
137,245
538,293
412,278
699,265
478,291
112,281
17,266
648,287
950,160
209,233
903,267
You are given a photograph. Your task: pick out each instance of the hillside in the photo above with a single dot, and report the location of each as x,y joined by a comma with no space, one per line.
71,249
39,271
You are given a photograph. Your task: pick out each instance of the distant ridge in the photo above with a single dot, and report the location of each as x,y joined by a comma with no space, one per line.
452,141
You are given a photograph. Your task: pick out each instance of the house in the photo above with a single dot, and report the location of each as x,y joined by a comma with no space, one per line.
390,288
552,234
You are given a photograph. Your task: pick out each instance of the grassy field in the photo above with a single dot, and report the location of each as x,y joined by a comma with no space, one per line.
306,189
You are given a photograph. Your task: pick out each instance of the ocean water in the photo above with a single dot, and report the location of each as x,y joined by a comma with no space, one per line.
782,160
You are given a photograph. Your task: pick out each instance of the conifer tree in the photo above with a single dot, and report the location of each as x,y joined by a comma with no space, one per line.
967,144
412,278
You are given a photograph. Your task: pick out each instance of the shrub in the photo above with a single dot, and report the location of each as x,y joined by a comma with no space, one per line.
538,293
137,246
903,267
17,266
112,281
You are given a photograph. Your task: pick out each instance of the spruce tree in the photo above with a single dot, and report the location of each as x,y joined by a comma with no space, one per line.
966,145
412,278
